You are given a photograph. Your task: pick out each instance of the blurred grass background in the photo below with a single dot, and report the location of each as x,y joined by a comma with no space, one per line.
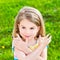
50,10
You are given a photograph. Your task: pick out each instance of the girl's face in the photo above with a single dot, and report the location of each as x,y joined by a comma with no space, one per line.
28,29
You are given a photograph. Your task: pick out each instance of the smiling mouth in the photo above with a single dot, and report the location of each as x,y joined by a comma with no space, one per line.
27,36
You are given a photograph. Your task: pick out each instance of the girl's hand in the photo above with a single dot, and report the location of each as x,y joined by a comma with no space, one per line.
44,40
21,45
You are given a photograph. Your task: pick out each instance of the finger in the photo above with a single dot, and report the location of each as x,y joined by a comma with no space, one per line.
49,39
18,37
39,37
47,35
42,38
15,38
26,40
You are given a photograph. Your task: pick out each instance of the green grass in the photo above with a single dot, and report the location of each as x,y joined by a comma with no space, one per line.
50,10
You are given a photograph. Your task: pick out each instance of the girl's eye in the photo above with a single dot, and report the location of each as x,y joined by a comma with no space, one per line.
23,27
31,28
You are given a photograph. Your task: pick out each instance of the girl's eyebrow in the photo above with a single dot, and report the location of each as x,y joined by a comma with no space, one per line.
23,25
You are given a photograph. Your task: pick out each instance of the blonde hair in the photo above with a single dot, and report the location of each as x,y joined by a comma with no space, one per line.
32,15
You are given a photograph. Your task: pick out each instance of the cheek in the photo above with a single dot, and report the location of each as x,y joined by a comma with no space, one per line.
22,31
34,33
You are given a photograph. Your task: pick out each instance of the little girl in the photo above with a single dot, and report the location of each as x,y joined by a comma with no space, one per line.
29,38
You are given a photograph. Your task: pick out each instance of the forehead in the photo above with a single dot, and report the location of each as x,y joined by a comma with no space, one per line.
26,22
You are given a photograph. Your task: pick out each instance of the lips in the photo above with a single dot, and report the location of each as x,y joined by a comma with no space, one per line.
27,36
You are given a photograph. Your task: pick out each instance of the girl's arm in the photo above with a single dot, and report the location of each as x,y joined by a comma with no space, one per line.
23,49
31,56
20,45
43,43
37,52
43,55
20,55
39,49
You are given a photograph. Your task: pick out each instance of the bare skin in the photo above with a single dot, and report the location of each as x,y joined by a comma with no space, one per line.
26,52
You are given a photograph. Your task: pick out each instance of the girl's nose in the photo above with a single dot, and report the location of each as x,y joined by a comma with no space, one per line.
27,31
